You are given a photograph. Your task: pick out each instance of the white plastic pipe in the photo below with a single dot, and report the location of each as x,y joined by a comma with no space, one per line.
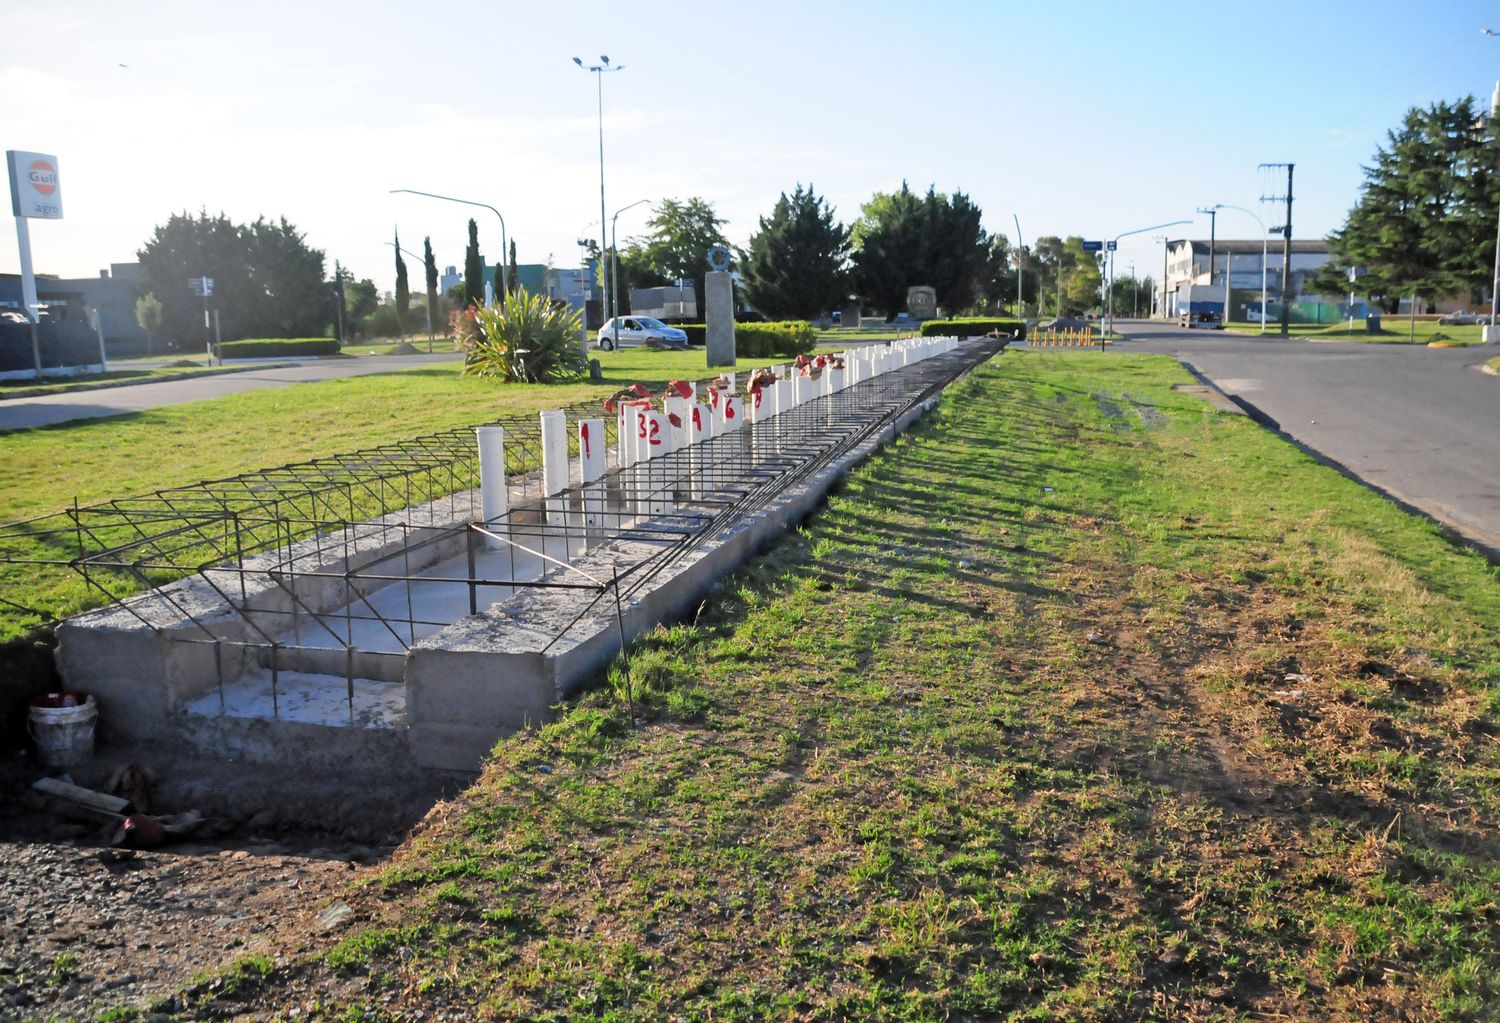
494,490
592,462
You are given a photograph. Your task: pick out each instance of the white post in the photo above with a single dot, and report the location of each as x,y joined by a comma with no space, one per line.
731,411
494,490
658,445
554,481
682,429
591,466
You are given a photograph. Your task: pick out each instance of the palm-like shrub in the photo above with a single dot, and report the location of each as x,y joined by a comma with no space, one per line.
528,341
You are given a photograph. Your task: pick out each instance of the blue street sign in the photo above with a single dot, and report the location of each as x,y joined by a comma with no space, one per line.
1112,246
1093,246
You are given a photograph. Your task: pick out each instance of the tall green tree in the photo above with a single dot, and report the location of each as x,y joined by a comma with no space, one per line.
797,263
148,316
268,282
430,277
515,269
680,234
902,240
1425,220
403,290
473,269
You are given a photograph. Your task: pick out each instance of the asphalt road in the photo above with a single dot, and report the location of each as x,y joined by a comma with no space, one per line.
24,413
1422,424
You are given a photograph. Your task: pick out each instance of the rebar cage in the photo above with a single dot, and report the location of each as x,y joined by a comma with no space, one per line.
369,552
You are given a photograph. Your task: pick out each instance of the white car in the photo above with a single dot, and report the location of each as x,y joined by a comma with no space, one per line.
637,330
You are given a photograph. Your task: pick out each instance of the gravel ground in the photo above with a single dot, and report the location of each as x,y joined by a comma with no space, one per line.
85,929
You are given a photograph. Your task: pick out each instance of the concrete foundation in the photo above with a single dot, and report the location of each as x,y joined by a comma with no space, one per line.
426,668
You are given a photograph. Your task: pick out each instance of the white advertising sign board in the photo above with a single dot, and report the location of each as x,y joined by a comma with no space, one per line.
34,188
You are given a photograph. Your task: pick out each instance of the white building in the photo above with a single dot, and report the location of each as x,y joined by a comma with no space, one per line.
1187,263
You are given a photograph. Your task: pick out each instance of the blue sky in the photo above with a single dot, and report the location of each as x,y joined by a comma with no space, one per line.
1080,118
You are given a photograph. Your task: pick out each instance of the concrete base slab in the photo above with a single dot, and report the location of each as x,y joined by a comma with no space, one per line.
308,699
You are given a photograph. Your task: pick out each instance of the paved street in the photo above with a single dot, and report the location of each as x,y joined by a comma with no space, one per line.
23,413
1421,423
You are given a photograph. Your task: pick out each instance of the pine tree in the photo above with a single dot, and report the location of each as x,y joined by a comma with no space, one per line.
473,269
796,266
430,274
515,270
1425,220
403,290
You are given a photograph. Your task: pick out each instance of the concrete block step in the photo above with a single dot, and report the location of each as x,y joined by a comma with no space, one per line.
367,664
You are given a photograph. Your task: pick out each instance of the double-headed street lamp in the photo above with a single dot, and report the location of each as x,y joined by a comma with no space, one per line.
599,71
504,254
614,266
1109,313
1228,257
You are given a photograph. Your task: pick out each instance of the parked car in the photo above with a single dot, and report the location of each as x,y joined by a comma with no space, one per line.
750,316
638,330
1065,323
1458,319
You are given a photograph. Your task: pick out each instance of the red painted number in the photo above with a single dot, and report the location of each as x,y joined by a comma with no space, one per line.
697,419
728,410
655,432
641,422
583,435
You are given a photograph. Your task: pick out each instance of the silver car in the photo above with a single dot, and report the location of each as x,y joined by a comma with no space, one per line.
637,330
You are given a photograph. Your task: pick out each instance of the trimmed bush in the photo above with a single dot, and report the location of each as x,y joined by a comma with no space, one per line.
972,326
277,347
762,340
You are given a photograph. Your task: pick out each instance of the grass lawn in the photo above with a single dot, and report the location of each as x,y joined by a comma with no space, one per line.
121,456
1394,330
1494,364
1083,702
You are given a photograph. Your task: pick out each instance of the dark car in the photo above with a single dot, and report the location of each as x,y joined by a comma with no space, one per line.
750,316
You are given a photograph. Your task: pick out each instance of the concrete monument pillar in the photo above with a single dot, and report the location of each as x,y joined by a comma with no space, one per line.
718,296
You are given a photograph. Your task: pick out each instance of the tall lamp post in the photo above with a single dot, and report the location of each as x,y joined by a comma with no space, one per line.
423,261
1109,313
504,252
1227,258
599,70
614,266
1020,247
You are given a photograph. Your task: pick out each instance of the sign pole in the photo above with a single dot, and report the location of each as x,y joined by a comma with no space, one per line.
28,292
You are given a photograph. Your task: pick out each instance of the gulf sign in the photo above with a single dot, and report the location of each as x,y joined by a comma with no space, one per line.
34,188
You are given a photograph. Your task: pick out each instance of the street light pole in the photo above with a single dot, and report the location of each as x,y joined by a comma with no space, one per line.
1020,245
599,71
1109,313
614,264
1263,250
504,252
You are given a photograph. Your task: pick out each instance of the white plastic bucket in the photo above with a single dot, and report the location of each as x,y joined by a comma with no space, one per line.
62,726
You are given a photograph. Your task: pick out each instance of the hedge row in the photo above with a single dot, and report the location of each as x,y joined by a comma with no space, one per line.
787,338
277,347
972,326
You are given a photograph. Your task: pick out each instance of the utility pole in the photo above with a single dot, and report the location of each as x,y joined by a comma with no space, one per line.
1213,223
1286,245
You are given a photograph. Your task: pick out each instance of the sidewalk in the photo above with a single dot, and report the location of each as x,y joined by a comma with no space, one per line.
248,375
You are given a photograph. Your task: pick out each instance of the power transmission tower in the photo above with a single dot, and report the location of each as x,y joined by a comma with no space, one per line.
1286,244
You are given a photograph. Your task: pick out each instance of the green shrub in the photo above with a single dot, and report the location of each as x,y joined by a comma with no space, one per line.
762,340
972,326
528,341
277,347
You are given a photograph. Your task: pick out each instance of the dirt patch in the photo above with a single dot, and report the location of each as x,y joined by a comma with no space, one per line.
89,928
